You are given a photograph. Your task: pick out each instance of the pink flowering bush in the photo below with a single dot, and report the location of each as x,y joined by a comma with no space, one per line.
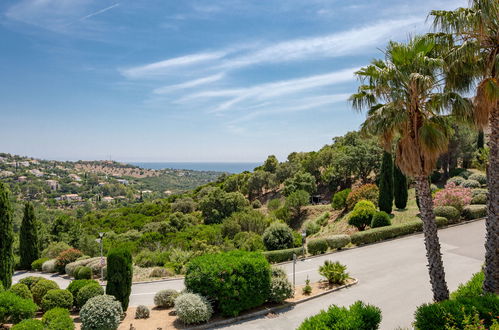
453,195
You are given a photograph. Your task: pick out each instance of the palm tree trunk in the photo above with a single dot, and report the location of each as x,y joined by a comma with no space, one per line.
491,283
432,244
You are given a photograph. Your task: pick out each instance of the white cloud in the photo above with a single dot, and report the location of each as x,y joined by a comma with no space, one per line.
189,84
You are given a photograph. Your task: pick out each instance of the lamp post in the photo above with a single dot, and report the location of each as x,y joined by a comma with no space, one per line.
101,236
303,238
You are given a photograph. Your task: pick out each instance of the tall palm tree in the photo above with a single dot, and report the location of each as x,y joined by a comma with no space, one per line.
474,62
407,103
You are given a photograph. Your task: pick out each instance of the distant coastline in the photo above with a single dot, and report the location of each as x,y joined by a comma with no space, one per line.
195,166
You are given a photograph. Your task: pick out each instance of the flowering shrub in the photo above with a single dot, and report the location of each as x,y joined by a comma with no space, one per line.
368,192
453,195
101,312
66,257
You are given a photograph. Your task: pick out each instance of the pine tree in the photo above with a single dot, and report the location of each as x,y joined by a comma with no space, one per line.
399,188
385,199
28,238
6,238
119,275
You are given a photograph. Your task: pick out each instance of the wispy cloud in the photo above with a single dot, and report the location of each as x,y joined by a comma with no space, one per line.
98,12
189,84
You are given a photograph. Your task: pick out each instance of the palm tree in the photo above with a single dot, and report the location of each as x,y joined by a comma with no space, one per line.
407,106
474,62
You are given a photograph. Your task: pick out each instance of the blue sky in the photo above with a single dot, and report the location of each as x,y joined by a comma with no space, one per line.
162,80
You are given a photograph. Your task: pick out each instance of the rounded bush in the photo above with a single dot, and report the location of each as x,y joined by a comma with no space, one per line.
256,204
380,219
40,289
54,249
142,312
57,298
448,212
317,246
22,291
66,257
369,192
362,214
76,285
49,266
280,288
160,272
30,324
479,191
338,241
463,173
73,266
58,319
30,281
334,272
457,180
471,212
339,200
480,177
14,309
193,308
278,236
311,227
165,298
471,184
84,273
479,199
101,312
37,264
87,292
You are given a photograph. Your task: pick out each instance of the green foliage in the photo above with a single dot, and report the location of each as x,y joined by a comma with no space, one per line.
472,288
218,205
307,289
296,200
256,204
278,236
49,266
270,164
400,192
193,308
323,219
119,275
142,312
185,205
317,246
334,272
54,249
76,285
369,192
40,289
37,264
280,287
14,309
30,281
6,237
380,219
480,177
87,292
274,204
282,255
165,298
248,241
235,281
21,290
28,238
385,199
338,241
449,212
84,273
480,199
359,316
66,257
339,201
453,313
57,298
474,211
311,227
58,319
362,214
300,181
101,312
471,184
250,220
29,324
458,180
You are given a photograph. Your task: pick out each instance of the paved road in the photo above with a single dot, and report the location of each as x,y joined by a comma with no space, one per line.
392,275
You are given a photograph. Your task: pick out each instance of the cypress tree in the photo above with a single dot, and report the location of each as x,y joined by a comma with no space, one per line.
480,141
28,238
119,275
6,238
385,199
400,188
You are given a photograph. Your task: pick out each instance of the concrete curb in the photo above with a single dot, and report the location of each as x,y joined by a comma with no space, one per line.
270,309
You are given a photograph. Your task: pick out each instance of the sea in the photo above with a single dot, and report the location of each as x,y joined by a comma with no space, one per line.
195,166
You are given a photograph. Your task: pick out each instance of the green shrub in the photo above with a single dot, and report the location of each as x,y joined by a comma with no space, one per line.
317,246
146,258
282,255
54,249
323,219
192,308
474,211
334,272
30,324
479,191
165,298
274,204
362,214
22,291
66,257
307,289
358,317
339,200
73,266
280,287
58,319
84,273
472,288
234,281
400,192
119,275
480,177
368,192
87,292
471,184
380,219
337,241
57,298
101,312
49,266
76,285
30,281
297,239
457,180
256,204
458,171
14,309
453,313
142,312
480,199
37,264
41,288
278,236
248,241
312,228
1,288
449,212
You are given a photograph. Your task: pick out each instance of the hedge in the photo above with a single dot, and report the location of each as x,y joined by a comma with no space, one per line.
337,241
382,233
317,246
448,212
282,255
471,212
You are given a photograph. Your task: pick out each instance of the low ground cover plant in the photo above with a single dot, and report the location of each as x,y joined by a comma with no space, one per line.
165,298
142,312
193,308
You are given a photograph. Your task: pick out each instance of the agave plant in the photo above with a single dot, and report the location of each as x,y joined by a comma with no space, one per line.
334,272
